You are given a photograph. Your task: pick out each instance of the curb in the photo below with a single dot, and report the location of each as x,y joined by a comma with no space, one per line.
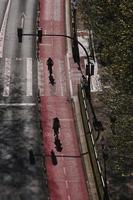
90,182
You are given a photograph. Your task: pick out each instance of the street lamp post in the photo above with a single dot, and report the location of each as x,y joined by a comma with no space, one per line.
74,4
75,49
89,71
105,158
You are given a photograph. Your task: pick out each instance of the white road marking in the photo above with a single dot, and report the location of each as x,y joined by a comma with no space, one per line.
3,29
41,78
19,59
7,74
99,166
89,126
61,81
46,44
62,158
48,40
92,139
17,104
69,198
64,170
65,119
56,13
87,115
66,184
57,10
69,76
47,12
29,77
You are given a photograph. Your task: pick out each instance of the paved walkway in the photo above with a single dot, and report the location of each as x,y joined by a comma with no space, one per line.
66,180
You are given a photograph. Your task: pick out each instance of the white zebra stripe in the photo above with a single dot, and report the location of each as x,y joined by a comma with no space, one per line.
29,76
7,75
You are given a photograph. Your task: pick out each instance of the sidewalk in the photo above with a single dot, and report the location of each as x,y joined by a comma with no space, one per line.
78,119
83,148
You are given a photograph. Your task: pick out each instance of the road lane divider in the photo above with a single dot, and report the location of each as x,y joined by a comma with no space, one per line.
64,170
57,10
7,75
69,76
61,79
41,78
17,104
66,184
29,77
69,198
3,29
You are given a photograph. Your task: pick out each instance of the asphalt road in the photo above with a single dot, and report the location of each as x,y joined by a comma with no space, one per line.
19,115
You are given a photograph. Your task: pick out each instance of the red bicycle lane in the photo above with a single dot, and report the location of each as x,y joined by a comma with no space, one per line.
66,180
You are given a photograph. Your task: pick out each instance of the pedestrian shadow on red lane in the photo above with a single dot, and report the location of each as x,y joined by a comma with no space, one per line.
58,144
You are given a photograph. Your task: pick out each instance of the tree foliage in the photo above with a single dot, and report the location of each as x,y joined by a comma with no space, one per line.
111,22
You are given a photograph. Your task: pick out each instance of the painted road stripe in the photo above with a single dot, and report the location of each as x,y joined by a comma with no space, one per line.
92,139
66,184
61,81
67,119
48,14
64,170
3,28
95,152
89,126
87,116
7,74
69,75
69,198
29,76
57,10
99,167
41,78
17,104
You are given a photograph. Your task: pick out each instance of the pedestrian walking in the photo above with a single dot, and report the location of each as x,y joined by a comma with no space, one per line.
56,126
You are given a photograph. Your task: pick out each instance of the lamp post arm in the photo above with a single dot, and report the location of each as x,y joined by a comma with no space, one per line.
72,38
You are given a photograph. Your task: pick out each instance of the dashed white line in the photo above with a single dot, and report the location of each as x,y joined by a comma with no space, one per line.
89,126
57,10
64,170
69,75
66,182
61,85
41,78
87,115
65,119
92,139
7,74
69,198
62,158
29,77
17,104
